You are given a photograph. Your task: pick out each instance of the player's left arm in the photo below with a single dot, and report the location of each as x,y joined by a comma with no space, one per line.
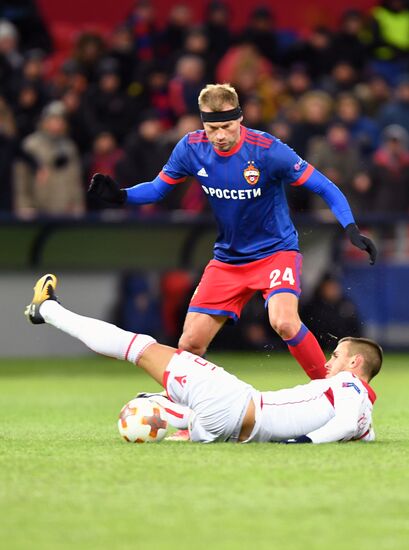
336,200
296,172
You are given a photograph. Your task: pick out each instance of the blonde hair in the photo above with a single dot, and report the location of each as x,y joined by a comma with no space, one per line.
370,351
215,97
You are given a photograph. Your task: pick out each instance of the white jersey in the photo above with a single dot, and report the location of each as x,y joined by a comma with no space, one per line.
331,409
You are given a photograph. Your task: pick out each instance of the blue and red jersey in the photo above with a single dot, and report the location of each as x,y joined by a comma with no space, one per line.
246,190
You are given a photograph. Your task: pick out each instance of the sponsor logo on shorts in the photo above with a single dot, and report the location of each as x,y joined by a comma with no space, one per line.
251,173
232,194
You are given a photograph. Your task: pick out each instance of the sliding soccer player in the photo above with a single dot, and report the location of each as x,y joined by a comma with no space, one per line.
220,407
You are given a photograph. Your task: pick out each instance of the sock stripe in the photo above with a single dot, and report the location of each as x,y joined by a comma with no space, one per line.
299,337
129,347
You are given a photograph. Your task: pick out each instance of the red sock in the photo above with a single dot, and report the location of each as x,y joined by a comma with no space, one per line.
305,348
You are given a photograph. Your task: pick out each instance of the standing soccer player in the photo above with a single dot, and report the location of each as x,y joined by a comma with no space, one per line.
243,172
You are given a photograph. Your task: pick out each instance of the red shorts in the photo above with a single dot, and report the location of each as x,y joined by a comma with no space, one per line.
224,289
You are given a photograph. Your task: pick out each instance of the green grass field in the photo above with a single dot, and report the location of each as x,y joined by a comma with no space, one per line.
67,480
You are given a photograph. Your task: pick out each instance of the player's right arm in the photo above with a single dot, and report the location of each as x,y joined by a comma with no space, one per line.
348,421
175,171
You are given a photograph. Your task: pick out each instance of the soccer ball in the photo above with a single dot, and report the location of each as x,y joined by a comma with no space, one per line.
142,420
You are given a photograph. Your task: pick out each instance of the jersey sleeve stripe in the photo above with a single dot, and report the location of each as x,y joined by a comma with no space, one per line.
259,136
199,136
265,145
169,180
304,176
255,138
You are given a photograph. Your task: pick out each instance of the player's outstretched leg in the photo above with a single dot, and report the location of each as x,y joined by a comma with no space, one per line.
101,337
104,338
44,289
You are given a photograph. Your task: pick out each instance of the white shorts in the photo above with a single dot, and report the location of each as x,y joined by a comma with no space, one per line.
218,399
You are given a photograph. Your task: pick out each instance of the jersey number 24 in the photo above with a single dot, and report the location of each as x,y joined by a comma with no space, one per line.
278,279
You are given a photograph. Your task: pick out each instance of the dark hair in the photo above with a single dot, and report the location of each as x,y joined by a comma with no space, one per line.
370,350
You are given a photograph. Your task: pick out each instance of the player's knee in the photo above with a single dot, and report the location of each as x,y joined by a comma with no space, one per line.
191,343
285,328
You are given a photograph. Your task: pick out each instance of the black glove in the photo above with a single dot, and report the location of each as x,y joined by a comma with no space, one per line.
362,242
105,188
300,439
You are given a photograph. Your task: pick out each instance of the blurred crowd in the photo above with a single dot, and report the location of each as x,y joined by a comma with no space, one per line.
118,103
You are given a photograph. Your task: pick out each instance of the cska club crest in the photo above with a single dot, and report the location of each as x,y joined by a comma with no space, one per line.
251,173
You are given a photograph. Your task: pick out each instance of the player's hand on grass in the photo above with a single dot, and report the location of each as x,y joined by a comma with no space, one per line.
362,242
300,439
107,189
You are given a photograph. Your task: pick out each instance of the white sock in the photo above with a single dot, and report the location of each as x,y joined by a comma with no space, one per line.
178,415
101,337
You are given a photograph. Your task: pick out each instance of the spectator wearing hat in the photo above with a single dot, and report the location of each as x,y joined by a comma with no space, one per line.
26,16
48,180
9,50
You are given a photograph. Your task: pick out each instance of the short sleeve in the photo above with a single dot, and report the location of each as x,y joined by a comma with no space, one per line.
287,166
177,167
